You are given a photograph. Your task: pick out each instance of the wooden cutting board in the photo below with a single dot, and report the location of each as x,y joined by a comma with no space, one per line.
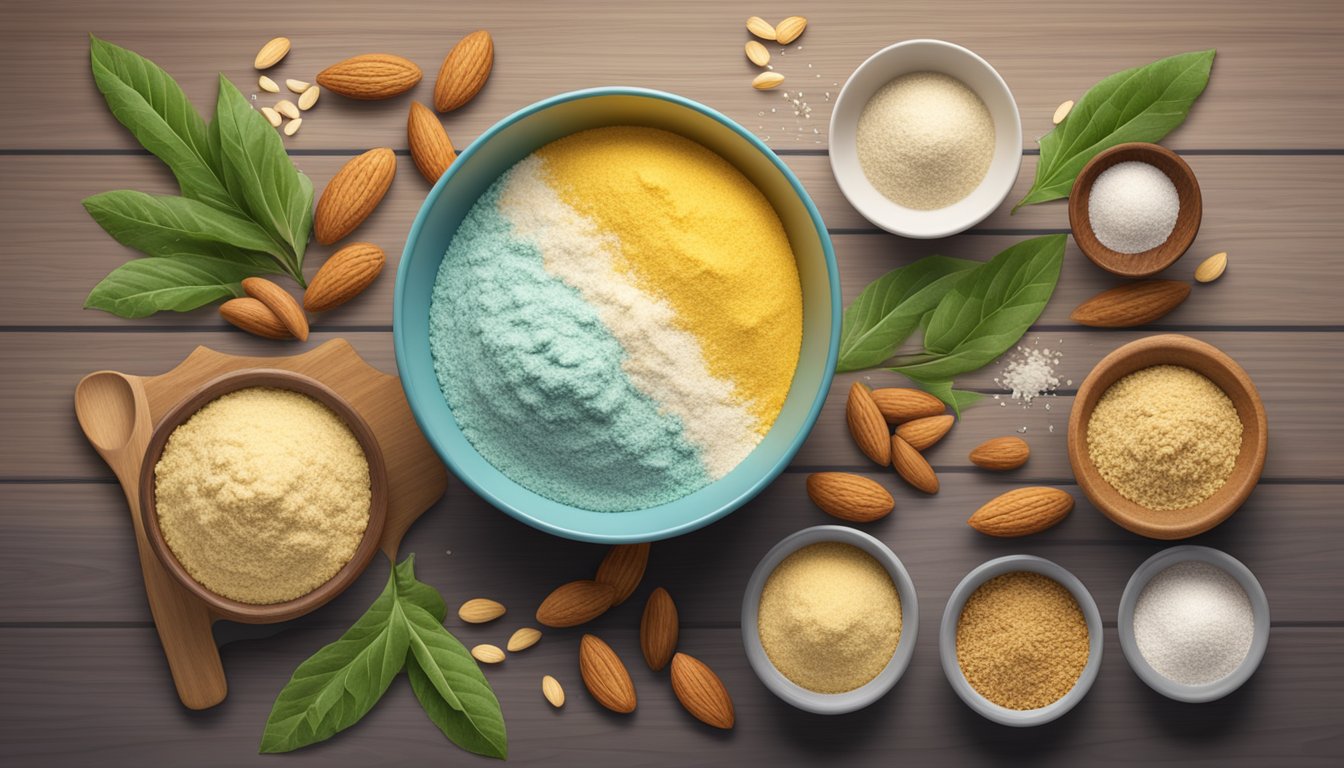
133,405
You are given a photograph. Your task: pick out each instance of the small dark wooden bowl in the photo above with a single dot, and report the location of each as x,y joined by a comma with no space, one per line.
1214,364
1154,260
266,377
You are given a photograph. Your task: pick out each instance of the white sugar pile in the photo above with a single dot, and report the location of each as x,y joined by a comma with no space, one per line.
1193,623
1030,373
1133,207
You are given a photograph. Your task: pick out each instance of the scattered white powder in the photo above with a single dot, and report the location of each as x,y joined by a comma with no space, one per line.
925,140
1193,623
1133,207
663,361
1030,373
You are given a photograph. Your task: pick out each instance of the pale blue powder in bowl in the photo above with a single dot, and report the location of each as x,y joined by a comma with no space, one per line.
534,378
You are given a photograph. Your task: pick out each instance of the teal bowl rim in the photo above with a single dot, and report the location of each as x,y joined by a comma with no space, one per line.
833,348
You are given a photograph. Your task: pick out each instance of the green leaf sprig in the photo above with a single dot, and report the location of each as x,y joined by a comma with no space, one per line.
244,208
1141,104
403,629
971,313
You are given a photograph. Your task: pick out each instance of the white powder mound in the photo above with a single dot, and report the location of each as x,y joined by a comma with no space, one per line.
1133,207
1193,623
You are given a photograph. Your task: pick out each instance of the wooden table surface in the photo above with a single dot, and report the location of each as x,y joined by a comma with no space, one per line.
82,679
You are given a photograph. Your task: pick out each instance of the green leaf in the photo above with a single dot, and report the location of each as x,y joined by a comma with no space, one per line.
259,173
178,283
336,686
890,308
162,225
146,100
1140,104
417,592
956,399
987,313
451,688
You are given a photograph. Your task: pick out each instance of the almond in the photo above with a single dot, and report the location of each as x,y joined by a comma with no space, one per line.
465,70
1022,511
296,86
912,466
431,148
271,53
757,53
1062,111
267,84
923,434
287,108
605,677
849,497
1001,453
866,426
344,275
767,80
761,28
575,603
309,97
479,610
1211,268
622,569
279,301
292,127
353,193
659,630
487,654
272,116
523,638
901,404
254,317
1131,304
550,688
701,692
790,29
371,76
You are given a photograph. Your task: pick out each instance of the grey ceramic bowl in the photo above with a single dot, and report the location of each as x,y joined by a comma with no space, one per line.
1259,607
786,689
947,640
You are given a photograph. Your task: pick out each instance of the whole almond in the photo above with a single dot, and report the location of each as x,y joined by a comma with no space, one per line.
1022,511
575,603
924,433
767,80
1001,453
371,76
550,688
1211,268
757,53
901,404
353,193
866,426
523,638
912,466
487,654
701,692
659,630
431,148
761,28
1131,304
343,276
622,569
790,29
605,676
465,70
254,317
855,498
271,53
479,610
279,301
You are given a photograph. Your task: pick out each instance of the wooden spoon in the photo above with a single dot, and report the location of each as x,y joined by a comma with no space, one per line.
113,411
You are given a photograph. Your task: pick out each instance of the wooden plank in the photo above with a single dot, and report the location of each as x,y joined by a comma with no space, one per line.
1271,247
1274,84
78,536
1294,372
124,713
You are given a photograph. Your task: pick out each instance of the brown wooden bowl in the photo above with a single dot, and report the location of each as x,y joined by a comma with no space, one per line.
1154,260
267,377
1202,358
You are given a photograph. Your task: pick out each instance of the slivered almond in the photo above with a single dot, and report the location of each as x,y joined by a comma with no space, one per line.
761,28
479,610
790,29
855,498
605,676
465,70
1062,111
371,76
271,53
924,433
757,53
343,276
523,638
353,193
287,108
431,149
292,127
272,116
279,301
267,84
1001,453
254,317
550,688
575,603
701,692
659,630
309,97
488,654
622,569
912,466
767,80
900,404
1022,511
866,426
1211,268
296,86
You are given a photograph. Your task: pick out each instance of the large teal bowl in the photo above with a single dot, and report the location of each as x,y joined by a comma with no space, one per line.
499,148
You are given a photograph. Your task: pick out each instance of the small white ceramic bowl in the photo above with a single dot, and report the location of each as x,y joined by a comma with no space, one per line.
925,56
786,689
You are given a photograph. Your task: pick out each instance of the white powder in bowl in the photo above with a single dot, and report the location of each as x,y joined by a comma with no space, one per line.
1133,207
925,140
1193,623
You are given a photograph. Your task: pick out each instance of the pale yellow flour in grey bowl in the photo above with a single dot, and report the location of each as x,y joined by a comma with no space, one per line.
263,495
925,140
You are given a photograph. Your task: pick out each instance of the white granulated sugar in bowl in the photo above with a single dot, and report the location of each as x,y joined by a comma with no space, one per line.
1133,207
1193,623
